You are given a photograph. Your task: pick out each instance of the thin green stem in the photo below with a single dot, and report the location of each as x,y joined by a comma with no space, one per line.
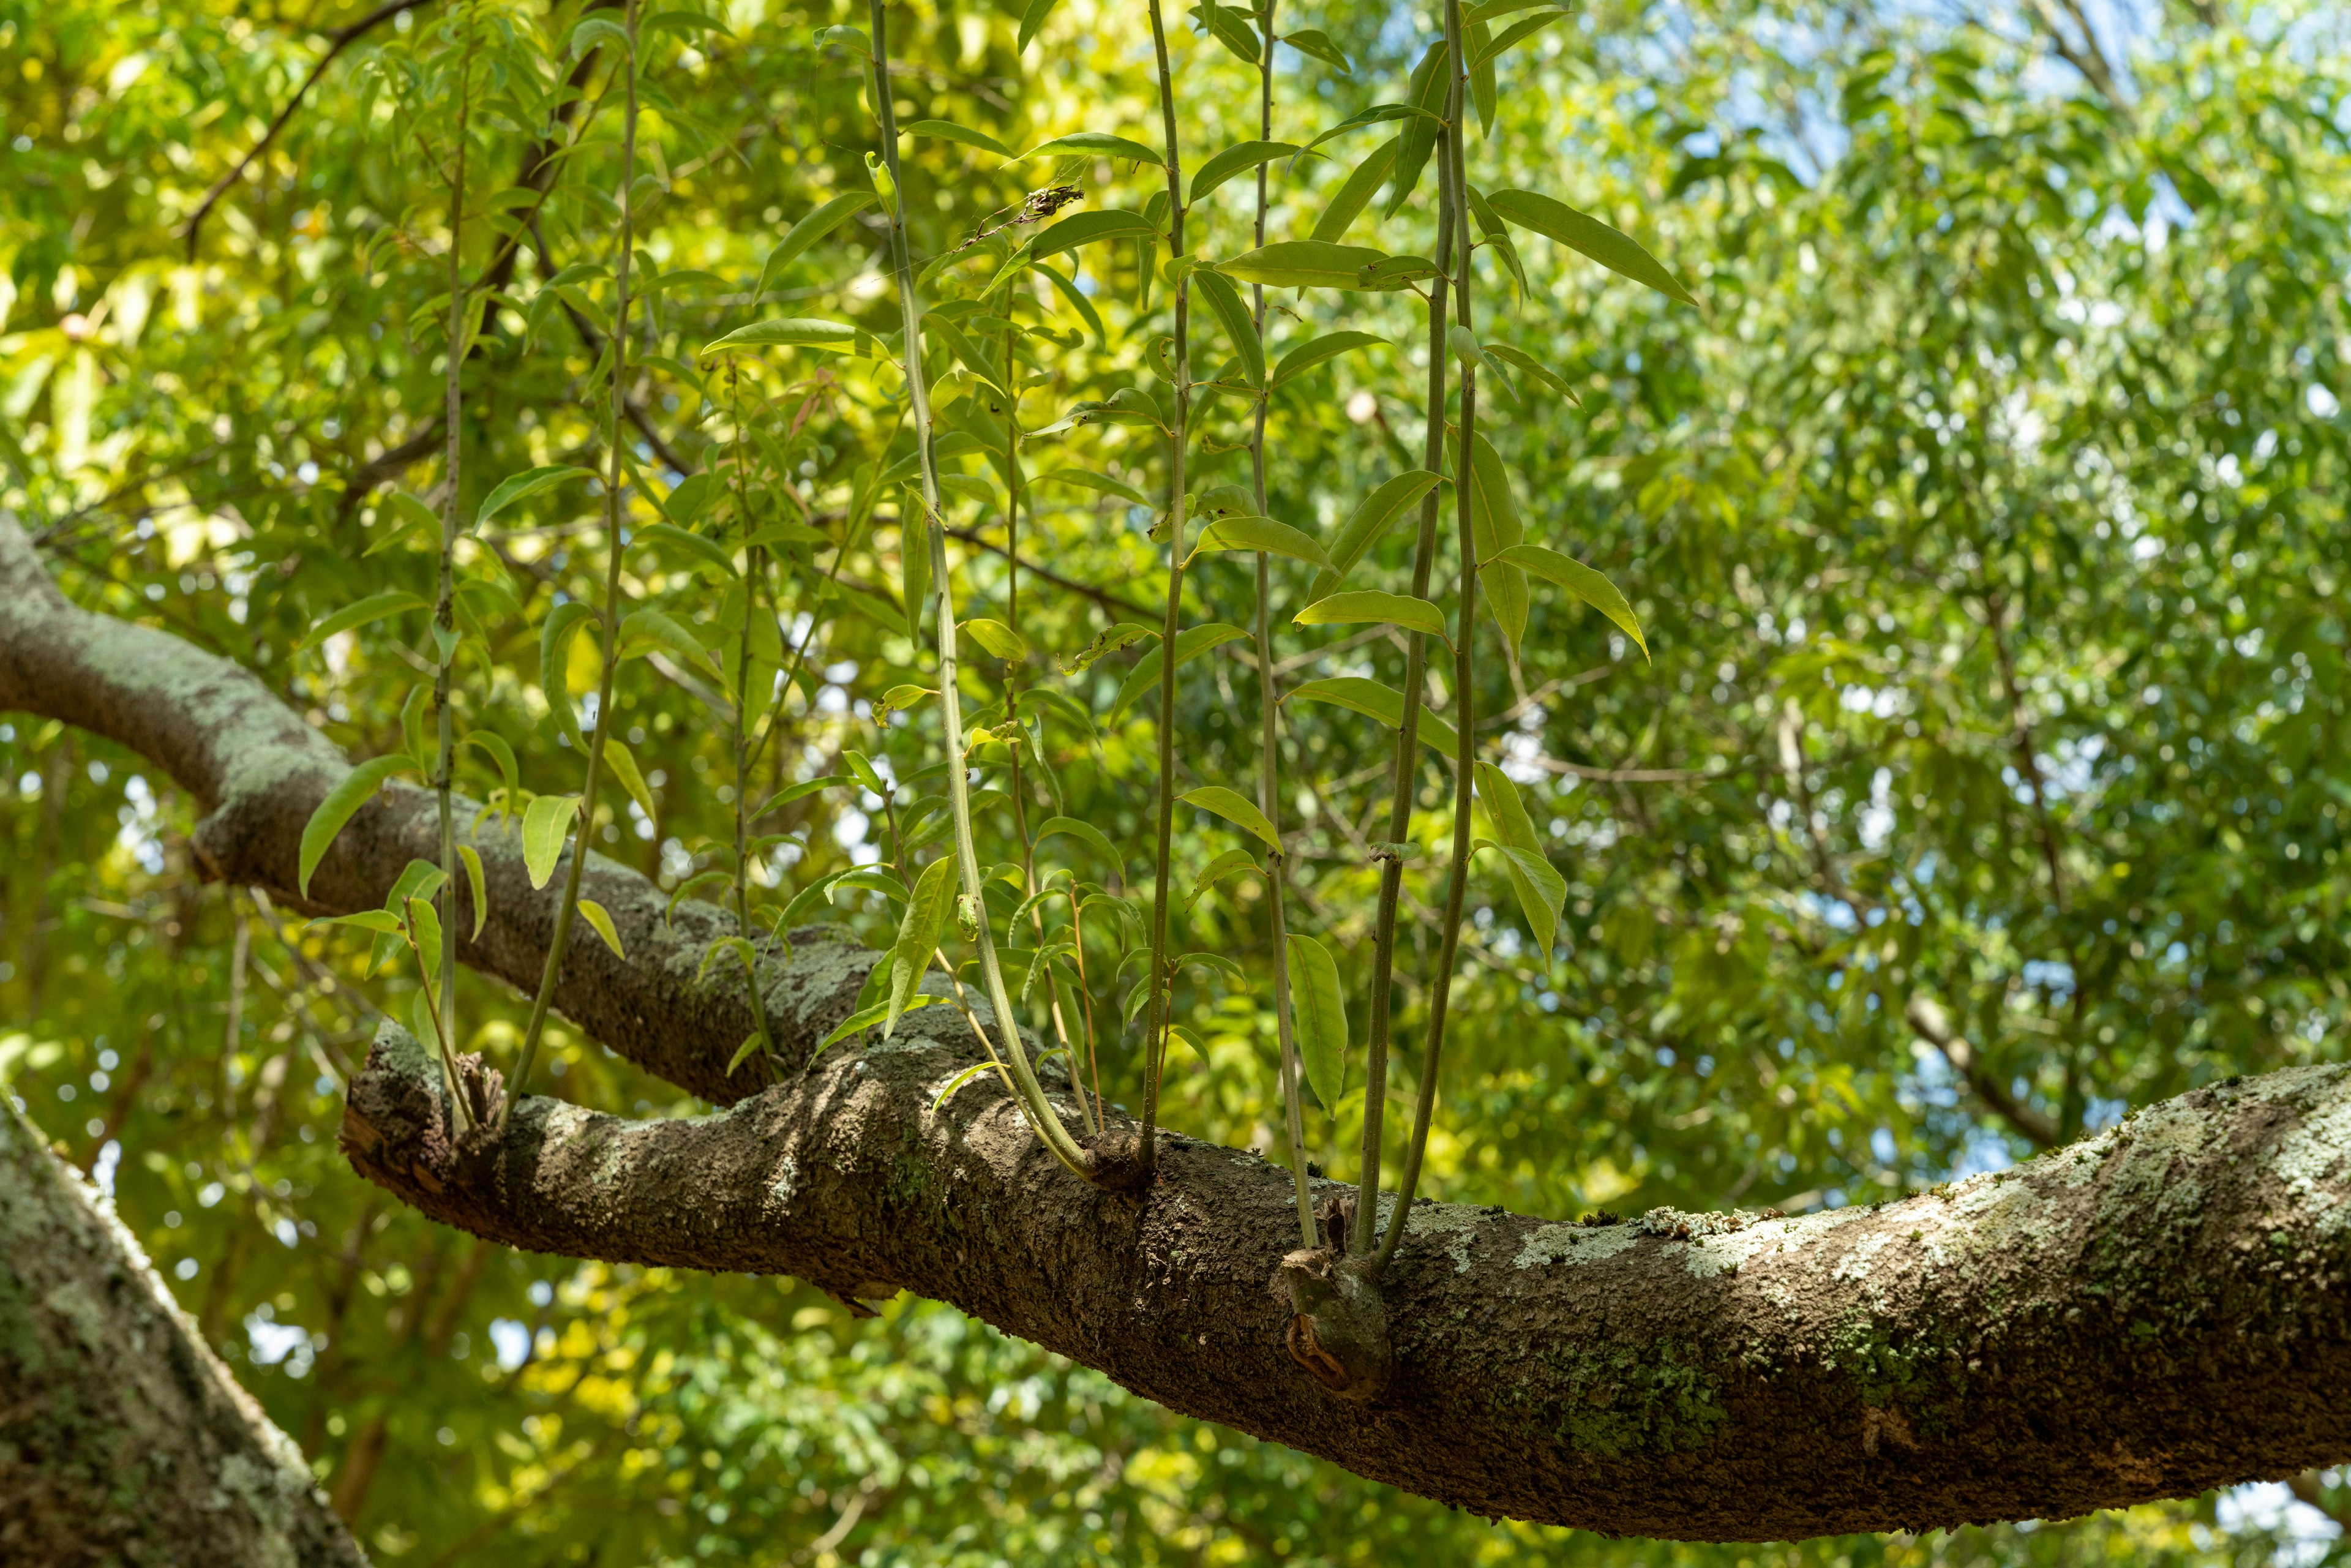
1164,830
754,569
445,609
1031,1094
1404,784
567,908
1268,792
1465,716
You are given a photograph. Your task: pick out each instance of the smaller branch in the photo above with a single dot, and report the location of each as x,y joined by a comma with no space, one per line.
336,44
1101,596
1934,1026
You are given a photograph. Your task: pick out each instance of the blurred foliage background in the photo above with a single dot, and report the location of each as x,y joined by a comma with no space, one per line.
1987,523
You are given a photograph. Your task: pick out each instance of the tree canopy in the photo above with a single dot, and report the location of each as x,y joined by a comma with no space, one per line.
1907,738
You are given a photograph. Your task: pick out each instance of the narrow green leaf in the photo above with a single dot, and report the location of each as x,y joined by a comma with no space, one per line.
800,790
918,937
997,638
1189,645
1226,25
500,753
1378,114
1320,351
1317,1011
1258,533
1233,806
424,930
948,1090
354,789
1369,604
948,130
554,654
1101,143
1303,264
1067,289
809,230
1541,890
596,915
867,1017
372,609
476,885
1314,42
1348,202
379,920
1419,138
530,482
623,764
1239,160
1527,365
1087,833
1580,581
594,32
1230,863
786,332
1225,300
1085,228
1611,248
1105,643
705,550
546,824
1477,41
1376,699
1371,517
644,629
1516,33
805,901
1031,20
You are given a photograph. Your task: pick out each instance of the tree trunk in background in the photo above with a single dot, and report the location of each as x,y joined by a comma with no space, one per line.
122,1438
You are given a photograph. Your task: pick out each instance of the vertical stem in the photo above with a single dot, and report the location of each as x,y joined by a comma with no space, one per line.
754,558
568,907
444,619
1165,830
1404,782
1465,717
1268,791
1040,1113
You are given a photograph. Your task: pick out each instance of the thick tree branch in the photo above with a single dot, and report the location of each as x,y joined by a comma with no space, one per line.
122,1439
2161,1310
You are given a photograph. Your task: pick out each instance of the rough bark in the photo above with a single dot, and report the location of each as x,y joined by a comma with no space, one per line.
122,1439
2159,1310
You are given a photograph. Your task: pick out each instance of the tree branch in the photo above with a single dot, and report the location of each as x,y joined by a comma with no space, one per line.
2091,1330
337,43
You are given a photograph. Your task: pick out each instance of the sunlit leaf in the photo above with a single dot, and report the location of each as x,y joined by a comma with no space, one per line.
1580,581
1317,1011
1611,248
595,915
1370,604
1260,533
1374,699
546,825
1234,808
354,789
530,482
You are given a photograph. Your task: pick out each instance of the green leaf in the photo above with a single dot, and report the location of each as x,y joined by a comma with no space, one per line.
424,930
786,332
788,533
918,936
867,1017
847,39
529,481
1189,645
1031,20
1087,479
743,954
1257,533
1105,643
1239,160
1067,289
500,753
1580,581
1419,138
1371,517
1610,247
705,550
422,1021
1319,351
1509,812
1494,526
742,1052
1316,44
1369,604
948,1090
1380,114
801,790
1230,863
554,654
595,32
354,789
1101,143
1225,300
809,230
1085,228
546,824
379,920
1317,1011
1527,364
601,918
1086,834
404,515
1540,891
475,885
1305,264
617,757
644,629
1512,36
1225,24
1233,806
1216,961
373,608
1352,197
1376,699
948,130
997,638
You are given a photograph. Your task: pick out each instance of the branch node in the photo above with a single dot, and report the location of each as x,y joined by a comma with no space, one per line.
1338,1322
